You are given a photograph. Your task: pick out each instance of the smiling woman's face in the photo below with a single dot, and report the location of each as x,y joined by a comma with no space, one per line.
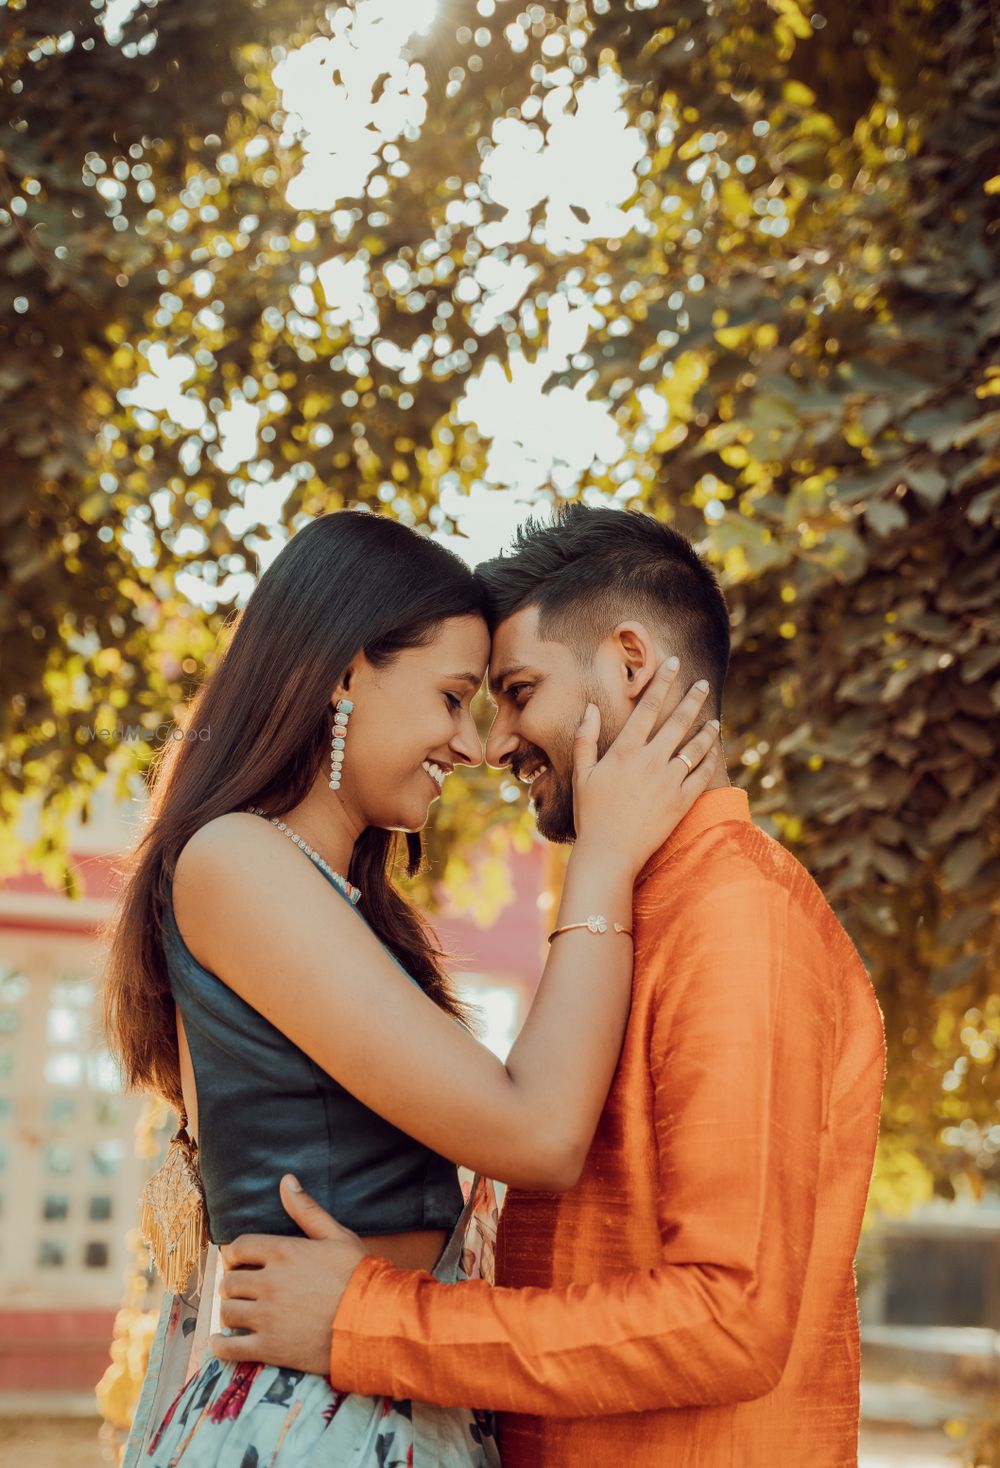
412,724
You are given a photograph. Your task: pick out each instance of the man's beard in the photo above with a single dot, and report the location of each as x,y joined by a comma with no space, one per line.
554,814
554,817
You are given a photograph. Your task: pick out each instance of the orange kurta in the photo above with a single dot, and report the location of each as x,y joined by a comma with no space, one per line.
691,1301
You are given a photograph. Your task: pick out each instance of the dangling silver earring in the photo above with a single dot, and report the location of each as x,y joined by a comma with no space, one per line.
342,713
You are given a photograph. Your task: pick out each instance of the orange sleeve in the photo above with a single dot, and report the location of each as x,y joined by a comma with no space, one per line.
742,1053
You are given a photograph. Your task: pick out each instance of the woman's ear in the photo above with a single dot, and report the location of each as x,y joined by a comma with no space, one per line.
349,680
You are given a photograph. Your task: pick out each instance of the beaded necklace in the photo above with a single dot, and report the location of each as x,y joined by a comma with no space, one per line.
352,893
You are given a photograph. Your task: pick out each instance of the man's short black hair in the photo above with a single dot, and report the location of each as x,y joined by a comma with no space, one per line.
590,569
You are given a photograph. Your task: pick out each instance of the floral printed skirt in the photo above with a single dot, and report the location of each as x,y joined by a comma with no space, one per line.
199,1412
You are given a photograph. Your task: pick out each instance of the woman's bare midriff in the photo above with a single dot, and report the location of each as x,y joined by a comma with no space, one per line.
419,1249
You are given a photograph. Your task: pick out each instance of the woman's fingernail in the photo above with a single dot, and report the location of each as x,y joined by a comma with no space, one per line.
293,1182
714,724
702,684
673,663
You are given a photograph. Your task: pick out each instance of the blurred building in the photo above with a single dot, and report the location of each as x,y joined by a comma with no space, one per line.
929,1304
69,1174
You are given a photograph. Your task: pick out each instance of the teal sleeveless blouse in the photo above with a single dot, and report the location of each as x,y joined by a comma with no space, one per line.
265,1108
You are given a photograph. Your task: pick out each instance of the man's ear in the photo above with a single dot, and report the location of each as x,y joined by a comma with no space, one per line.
636,656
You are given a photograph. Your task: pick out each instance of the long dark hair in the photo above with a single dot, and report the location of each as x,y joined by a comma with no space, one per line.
346,582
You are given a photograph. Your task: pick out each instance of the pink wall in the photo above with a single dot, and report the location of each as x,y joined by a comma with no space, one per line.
53,1350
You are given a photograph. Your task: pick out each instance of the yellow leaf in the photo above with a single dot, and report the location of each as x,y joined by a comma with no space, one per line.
313,404
108,660
735,200
797,92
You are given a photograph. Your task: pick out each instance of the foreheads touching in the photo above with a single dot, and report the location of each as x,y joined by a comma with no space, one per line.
605,585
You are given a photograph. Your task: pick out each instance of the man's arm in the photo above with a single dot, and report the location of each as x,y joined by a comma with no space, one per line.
741,1054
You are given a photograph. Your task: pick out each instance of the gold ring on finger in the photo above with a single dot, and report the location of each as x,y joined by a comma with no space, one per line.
687,759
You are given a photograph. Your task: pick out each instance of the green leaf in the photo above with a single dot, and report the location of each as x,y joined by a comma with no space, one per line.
884,516
939,427
929,483
962,925
852,488
895,866
962,863
986,427
977,663
974,737
943,980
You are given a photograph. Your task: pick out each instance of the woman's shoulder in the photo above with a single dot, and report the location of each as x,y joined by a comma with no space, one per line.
222,831
198,872
236,867
213,878
218,844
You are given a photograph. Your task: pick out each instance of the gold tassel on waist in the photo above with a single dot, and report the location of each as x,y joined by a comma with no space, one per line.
173,1218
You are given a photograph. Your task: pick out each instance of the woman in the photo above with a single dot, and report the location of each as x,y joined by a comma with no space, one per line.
301,1019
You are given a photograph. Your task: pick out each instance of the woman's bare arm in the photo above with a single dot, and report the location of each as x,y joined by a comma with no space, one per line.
253,914
279,936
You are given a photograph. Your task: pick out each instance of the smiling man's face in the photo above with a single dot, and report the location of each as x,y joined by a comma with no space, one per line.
541,691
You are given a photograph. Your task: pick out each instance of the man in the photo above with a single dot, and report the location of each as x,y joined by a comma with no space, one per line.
691,1300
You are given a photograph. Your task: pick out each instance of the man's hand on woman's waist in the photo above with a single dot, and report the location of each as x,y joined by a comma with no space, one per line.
283,1293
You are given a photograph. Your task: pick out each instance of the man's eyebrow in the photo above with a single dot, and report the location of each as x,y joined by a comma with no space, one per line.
499,679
